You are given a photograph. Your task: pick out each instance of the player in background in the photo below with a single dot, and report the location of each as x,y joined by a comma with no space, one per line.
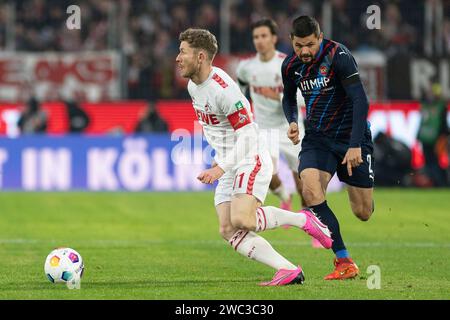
243,164
261,74
337,135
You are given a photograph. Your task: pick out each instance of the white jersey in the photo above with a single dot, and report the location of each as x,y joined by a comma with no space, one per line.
221,109
257,74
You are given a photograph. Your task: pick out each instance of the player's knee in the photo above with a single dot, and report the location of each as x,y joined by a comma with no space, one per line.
363,212
242,222
311,196
365,216
227,231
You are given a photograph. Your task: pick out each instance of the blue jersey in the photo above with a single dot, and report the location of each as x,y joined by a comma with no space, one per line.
323,83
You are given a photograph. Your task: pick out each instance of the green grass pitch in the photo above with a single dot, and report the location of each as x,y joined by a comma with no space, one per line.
167,246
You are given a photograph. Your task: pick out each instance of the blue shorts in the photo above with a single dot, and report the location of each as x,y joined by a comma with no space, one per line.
325,154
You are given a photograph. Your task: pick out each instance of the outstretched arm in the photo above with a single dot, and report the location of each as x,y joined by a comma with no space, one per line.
355,92
347,70
290,108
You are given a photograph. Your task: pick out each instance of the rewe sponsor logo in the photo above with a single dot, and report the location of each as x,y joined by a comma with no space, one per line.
208,118
259,90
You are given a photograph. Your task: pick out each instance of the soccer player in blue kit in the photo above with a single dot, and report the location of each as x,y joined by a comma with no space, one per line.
337,134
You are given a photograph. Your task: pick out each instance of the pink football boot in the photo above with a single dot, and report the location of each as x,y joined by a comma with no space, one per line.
285,277
316,229
316,244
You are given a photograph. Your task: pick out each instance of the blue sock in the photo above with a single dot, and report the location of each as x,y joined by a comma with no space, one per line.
326,215
342,254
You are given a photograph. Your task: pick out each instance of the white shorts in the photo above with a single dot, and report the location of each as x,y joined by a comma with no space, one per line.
252,179
278,142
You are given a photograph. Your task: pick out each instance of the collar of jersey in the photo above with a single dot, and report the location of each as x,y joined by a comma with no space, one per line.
318,53
258,57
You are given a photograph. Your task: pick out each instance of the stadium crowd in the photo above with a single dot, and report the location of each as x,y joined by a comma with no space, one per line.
147,31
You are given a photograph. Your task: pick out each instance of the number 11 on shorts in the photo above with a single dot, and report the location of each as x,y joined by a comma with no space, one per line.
241,178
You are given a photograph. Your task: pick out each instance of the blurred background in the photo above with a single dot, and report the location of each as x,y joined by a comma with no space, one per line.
101,107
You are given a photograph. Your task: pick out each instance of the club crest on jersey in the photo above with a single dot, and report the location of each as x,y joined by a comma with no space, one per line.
242,118
323,70
239,118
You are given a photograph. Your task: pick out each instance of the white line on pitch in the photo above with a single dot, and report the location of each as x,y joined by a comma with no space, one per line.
218,242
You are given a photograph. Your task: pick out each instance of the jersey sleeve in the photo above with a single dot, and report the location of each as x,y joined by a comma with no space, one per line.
347,72
236,107
289,100
242,76
345,66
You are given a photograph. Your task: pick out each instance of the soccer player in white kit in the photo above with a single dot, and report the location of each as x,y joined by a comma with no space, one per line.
242,162
261,74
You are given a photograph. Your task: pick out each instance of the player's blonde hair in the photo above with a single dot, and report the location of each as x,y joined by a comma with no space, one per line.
200,39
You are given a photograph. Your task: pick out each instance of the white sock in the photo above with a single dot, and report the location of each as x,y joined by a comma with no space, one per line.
272,217
255,247
281,193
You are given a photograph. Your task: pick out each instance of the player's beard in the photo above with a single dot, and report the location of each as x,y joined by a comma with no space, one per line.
189,72
306,56
192,71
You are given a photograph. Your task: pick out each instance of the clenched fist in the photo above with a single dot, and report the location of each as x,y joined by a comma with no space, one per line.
293,133
211,175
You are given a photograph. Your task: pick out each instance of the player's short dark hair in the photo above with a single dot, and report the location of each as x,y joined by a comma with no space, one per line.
200,39
305,26
265,22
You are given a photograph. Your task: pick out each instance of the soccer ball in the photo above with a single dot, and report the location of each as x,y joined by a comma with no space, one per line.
64,265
